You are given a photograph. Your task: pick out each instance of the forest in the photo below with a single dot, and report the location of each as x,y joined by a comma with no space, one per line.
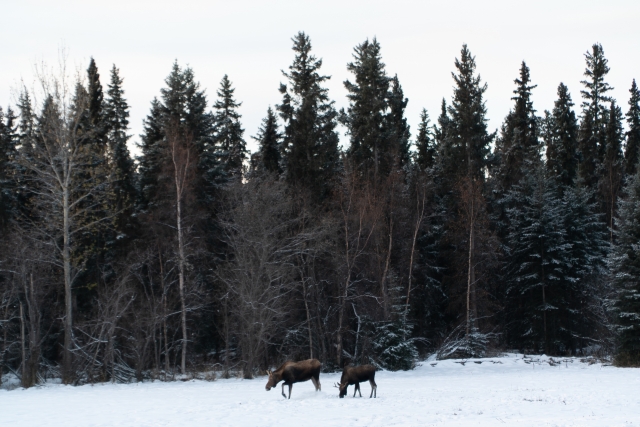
197,255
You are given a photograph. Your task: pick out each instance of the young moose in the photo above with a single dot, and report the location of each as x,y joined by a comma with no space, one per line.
356,375
295,372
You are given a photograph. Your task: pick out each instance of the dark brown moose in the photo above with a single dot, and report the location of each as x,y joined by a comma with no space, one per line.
356,375
295,372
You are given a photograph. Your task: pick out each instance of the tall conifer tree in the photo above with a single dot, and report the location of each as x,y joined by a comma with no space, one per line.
425,143
8,167
594,115
518,145
230,146
535,264
624,262
122,190
561,137
612,165
269,139
365,118
471,245
632,147
398,128
310,141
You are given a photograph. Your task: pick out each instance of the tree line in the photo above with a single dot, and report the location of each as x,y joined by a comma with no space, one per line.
198,255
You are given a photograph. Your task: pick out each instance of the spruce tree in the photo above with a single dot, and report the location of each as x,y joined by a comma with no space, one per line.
594,115
518,143
398,129
96,102
624,263
425,143
535,264
8,167
561,138
25,140
368,95
579,315
470,141
470,249
182,107
269,139
612,166
91,180
230,147
632,147
150,162
122,189
310,141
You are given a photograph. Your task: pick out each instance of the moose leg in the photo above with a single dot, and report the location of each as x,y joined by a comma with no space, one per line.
359,392
290,385
284,395
318,382
374,387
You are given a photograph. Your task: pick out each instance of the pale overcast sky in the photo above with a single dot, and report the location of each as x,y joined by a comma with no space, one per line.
250,41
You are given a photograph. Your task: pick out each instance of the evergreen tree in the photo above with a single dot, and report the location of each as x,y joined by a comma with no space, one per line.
594,115
96,99
122,190
517,149
368,96
469,247
269,138
398,128
8,167
150,163
25,141
580,315
91,180
395,348
612,166
535,262
310,141
518,144
632,147
183,108
624,262
469,137
425,143
231,148
561,137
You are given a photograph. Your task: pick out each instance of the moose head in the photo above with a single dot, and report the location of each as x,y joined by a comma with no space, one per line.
272,381
343,388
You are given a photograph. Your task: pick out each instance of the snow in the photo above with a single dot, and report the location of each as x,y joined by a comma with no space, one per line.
510,390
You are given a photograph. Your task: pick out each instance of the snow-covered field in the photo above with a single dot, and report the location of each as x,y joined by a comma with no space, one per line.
495,392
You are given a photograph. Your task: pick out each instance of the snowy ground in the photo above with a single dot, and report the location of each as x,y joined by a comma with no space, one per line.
495,392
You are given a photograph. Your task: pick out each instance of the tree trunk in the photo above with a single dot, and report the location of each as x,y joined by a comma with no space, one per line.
68,297
23,347
413,250
544,311
32,362
180,172
306,306
383,289
471,270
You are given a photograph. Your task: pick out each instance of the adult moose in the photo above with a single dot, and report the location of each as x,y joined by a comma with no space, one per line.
295,372
356,375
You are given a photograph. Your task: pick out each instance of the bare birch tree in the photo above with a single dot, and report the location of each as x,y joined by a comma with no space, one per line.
52,163
259,275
